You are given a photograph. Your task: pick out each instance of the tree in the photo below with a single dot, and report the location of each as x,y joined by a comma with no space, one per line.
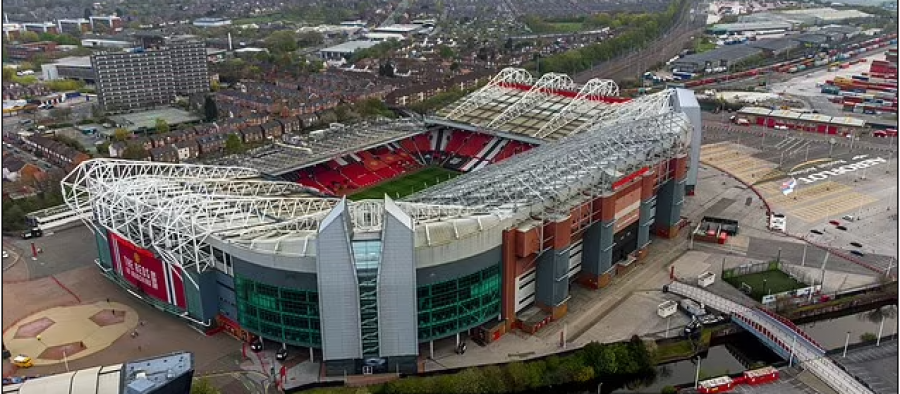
161,126
29,36
210,110
121,134
281,41
9,73
233,144
134,152
310,38
445,52
203,386
386,69
103,149
64,85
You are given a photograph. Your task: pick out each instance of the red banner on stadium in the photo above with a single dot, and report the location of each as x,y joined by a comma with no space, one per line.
146,272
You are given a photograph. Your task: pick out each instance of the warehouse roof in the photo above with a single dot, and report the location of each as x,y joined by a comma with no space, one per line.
350,46
728,52
775,45
750,26
74,61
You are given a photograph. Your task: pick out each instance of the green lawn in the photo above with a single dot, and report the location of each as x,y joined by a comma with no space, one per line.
764,283
406,185
567,27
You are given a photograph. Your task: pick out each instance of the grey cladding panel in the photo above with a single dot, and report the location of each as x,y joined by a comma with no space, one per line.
458,269
552,286
338,290
397,316
274,277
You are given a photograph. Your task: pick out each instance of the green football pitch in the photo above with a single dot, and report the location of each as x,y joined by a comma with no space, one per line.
767,282
407,184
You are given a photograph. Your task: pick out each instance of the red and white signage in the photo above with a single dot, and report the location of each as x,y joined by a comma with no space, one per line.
146,272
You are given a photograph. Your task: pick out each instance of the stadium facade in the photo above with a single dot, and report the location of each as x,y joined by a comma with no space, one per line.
563,185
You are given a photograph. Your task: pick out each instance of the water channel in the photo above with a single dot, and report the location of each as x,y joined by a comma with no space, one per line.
720,360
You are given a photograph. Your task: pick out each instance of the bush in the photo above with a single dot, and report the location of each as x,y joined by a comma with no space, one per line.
668,390
868,337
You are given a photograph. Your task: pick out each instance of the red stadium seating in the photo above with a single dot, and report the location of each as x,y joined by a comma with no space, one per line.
474,144
386,162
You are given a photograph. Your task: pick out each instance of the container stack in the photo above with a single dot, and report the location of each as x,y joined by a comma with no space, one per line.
871,92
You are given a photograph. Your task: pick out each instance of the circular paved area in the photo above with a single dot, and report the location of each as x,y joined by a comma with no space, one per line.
69,332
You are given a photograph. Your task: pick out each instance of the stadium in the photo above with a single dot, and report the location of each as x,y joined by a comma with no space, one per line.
369,242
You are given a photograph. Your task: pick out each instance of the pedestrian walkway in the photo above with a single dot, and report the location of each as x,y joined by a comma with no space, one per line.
58,335
295,373
776,332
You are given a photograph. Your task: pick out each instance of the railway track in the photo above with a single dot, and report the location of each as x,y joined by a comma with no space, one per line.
635,63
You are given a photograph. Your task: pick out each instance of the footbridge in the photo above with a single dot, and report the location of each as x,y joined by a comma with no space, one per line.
780,335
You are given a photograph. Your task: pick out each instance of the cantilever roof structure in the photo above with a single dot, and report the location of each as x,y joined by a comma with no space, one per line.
323,145
549,108
175,208
552,174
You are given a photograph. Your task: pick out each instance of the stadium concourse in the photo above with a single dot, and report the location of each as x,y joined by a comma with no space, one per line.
559,184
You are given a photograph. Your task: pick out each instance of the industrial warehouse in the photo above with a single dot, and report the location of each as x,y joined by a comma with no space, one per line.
553,185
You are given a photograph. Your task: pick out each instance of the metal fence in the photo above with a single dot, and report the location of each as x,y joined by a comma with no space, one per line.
751,268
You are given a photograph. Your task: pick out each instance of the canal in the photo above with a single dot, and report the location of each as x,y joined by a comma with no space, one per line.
727,358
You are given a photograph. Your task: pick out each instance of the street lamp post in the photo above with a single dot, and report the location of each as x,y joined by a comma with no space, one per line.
880,331
831,143
846,344
697,375
791,361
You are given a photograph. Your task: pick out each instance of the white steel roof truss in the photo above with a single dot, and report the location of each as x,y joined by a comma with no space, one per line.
492,91
535,95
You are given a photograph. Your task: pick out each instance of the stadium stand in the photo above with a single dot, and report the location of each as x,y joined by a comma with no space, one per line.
457,150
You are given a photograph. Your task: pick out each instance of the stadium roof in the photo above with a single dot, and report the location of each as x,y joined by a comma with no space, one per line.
174,208
547,177
323,145
550,108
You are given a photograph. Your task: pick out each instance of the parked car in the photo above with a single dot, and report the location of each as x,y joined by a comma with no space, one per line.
834,222
814,231
842,228
857,253
857,244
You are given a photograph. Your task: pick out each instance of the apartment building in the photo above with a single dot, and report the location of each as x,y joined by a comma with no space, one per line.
145,78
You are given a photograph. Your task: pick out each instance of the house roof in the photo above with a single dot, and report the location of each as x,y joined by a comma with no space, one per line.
13,164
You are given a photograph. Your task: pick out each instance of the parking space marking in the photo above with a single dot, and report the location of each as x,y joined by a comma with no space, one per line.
804,195
845,202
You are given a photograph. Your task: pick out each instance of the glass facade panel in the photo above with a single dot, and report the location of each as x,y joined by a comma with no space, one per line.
367,255
277,313
456,305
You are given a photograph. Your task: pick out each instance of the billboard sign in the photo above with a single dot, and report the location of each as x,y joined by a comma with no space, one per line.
144,270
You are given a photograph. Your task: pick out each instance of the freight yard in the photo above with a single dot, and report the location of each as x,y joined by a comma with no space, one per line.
867,86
